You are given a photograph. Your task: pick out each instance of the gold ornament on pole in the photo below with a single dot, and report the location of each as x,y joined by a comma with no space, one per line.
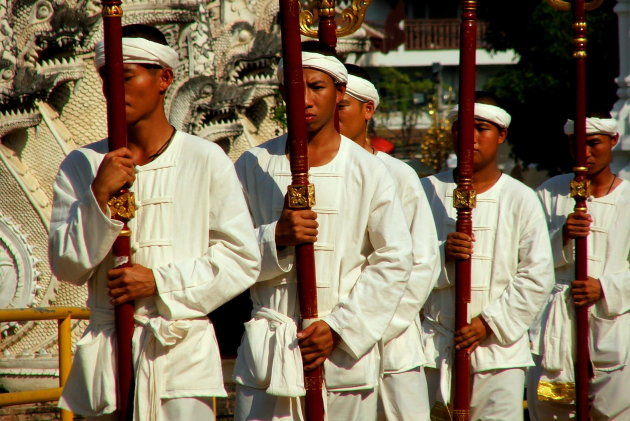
352,16
565,6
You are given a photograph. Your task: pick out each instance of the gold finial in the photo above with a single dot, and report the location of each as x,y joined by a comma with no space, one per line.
565,6
352,16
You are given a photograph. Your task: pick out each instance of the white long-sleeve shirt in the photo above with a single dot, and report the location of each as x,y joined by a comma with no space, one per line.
403,343
512,272
608,249
362,256
193,229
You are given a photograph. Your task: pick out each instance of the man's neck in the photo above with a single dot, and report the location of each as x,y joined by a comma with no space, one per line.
363,141
323,145
602,182
147,137
486,177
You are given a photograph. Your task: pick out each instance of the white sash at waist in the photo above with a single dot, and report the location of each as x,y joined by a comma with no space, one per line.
159,335
91,386
558,331
269,357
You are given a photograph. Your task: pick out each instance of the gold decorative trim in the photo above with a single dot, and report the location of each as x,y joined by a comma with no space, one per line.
461,414
561,392
306,20
352,17
580,188
301,196
578,169
123,206
580,209
125,233
579,54
565,6
112,11
464,199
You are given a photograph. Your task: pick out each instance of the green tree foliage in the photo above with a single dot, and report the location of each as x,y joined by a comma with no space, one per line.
540,90
403,94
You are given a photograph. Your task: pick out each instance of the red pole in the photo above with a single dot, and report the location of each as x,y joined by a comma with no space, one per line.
464,200
327,33
579,191
301,193
117,137
327,29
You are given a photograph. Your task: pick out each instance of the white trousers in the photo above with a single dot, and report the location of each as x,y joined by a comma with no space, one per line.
256,405
403,396
184,409
497,395
608,391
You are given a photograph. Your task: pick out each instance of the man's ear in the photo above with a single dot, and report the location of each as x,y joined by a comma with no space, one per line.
502,135
341,91
166,78
614,140
368,110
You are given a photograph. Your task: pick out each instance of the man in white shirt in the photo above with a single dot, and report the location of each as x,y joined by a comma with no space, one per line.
512,275
606,225
192,241
402,388
362,263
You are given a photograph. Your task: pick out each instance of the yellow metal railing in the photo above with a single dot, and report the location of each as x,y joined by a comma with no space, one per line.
64,316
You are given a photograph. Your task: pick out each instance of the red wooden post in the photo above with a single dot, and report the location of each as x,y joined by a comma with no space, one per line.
123,203
327,32
464,200
579,191
327,29
301,193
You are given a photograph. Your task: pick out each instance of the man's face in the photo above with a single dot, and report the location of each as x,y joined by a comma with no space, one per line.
144,90
321,97
598,151
487,139
354,116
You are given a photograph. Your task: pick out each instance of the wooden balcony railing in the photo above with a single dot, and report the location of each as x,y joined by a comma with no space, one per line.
437,34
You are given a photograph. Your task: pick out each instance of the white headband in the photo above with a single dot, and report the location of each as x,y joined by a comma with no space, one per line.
594,125
491,113
327,64
140,51
362,89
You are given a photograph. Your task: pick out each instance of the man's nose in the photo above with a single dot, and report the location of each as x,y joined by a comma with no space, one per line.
308,98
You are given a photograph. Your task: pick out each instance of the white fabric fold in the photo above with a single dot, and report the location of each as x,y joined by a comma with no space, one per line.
274,359
93,391
491,113
140,51
362,90
158,334
558,337
442,340
327,64
594,125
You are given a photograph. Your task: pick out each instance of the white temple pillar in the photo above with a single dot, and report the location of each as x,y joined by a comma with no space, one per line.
621,109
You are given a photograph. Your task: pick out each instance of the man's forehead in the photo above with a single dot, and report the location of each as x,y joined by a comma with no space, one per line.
312,74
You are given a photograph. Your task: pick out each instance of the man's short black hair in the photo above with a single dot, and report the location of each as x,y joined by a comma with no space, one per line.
144,31
488,98
358,71
598,114
319,48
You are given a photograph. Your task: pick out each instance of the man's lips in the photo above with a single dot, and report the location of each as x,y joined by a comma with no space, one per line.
309,117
